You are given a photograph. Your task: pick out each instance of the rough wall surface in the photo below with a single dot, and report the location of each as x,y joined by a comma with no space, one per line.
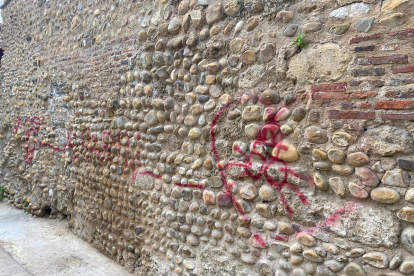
197,138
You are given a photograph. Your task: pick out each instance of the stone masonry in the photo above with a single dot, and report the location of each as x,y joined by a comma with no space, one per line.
216,137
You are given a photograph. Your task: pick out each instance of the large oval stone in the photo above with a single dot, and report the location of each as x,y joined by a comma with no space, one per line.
305,239
286,151
252,113
337,186
354,269
342,139
312,256
269,97
214,13
334,265
396,260
248,191
406,213
409,195
357,191
336,156
369,178
407,239
385,195
406,164
224,200
320,182
358,159
267,193
315,134
344,170
377,259
407,267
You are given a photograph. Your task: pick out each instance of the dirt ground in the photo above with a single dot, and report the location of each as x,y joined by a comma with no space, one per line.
43,246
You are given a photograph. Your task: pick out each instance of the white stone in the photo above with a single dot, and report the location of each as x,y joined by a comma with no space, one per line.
351,10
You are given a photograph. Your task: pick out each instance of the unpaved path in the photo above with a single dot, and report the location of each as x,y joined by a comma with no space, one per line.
41,246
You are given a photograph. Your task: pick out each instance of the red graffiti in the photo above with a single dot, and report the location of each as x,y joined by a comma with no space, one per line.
336,216
259,240
271,137
31,126
332,220
189,186
281,238
150,174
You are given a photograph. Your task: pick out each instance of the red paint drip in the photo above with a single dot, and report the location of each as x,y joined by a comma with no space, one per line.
150,174
189,186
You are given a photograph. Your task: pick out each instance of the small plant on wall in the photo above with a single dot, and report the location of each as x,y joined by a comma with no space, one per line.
300,41
25,205
2,190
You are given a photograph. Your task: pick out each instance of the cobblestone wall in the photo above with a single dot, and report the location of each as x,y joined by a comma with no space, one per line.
216,138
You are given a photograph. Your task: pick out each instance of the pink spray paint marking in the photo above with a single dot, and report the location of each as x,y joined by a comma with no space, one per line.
259,240
189,186
31,126
270,136
150,174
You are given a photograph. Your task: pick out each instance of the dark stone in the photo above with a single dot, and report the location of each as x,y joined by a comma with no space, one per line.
224,200
203,98
291,30
174,204
139,230
368,72
314,115
406,164
298,114
396,82
204,210
187,194
365,48
289,98
119,170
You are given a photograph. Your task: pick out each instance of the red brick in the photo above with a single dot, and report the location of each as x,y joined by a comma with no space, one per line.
398,116
365,105
329,87
363,95
381,60
337,114
330,96
403,69
364,38
394,105
402,34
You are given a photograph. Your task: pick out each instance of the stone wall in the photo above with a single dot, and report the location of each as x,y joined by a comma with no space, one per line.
198,138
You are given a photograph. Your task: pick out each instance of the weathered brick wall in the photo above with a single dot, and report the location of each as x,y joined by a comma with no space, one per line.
197,138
